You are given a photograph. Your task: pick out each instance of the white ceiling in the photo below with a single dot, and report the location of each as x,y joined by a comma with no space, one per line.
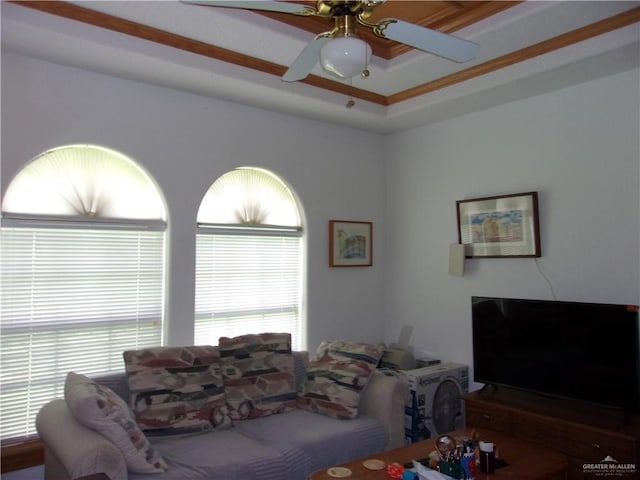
69,42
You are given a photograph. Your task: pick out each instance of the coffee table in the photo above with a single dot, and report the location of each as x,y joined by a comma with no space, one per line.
526,461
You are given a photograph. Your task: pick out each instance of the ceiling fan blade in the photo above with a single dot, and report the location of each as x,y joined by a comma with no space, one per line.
432,41
308,58
282,7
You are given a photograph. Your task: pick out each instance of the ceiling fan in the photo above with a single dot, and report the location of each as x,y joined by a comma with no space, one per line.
340,50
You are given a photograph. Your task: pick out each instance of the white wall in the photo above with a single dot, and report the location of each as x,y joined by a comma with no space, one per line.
185,142
578,147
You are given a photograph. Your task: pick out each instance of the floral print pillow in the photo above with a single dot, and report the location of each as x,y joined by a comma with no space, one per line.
101,409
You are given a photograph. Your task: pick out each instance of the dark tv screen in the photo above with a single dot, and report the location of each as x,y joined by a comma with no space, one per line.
584,351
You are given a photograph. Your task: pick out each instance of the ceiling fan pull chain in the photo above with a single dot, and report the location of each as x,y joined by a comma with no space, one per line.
351,101
365,73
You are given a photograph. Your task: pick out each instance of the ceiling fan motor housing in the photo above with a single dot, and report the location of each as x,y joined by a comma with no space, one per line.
331,8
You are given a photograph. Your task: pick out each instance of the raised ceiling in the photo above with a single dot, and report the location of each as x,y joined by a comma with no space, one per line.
444,16
525,48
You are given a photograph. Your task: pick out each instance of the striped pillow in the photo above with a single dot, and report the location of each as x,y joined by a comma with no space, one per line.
177,390
259,375
337,375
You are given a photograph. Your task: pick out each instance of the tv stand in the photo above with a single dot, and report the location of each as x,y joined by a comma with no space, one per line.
585,433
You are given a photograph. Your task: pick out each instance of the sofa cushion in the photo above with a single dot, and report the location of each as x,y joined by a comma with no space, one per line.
259,376
311,442
99,408
219,455
336,377
177,390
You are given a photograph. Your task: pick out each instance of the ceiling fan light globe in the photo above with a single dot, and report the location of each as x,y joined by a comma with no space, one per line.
345,56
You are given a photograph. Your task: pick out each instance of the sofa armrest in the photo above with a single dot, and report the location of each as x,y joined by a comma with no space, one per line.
384,399
73,450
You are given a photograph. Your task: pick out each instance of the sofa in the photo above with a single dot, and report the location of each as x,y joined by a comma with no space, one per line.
286,443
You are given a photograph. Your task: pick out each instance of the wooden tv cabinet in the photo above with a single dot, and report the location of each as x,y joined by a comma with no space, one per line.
586,434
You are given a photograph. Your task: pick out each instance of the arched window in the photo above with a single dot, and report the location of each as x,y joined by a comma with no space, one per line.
248,258
82,274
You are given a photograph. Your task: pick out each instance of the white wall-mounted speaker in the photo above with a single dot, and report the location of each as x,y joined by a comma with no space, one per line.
456,259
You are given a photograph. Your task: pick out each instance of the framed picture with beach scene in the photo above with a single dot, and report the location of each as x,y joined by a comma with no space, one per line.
500,226
350,243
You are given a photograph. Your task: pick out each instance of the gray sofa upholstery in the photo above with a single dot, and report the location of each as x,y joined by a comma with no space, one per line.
286,446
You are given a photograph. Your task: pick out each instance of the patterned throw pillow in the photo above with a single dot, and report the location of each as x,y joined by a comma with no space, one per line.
99,408
259,376
177,390
337,375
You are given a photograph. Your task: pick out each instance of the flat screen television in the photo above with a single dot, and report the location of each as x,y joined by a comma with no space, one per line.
584,351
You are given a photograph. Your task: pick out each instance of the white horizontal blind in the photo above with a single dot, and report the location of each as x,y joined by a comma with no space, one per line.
72,300
247,284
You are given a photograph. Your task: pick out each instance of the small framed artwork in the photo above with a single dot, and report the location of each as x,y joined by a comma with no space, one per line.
500,226
350,244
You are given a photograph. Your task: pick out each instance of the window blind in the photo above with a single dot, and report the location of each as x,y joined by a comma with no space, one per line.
72,300
247,284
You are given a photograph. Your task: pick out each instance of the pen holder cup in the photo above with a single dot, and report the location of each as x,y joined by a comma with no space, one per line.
463,470
468,466
451,469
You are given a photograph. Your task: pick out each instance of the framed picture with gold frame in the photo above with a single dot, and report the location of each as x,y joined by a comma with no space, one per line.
350,243
500,226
